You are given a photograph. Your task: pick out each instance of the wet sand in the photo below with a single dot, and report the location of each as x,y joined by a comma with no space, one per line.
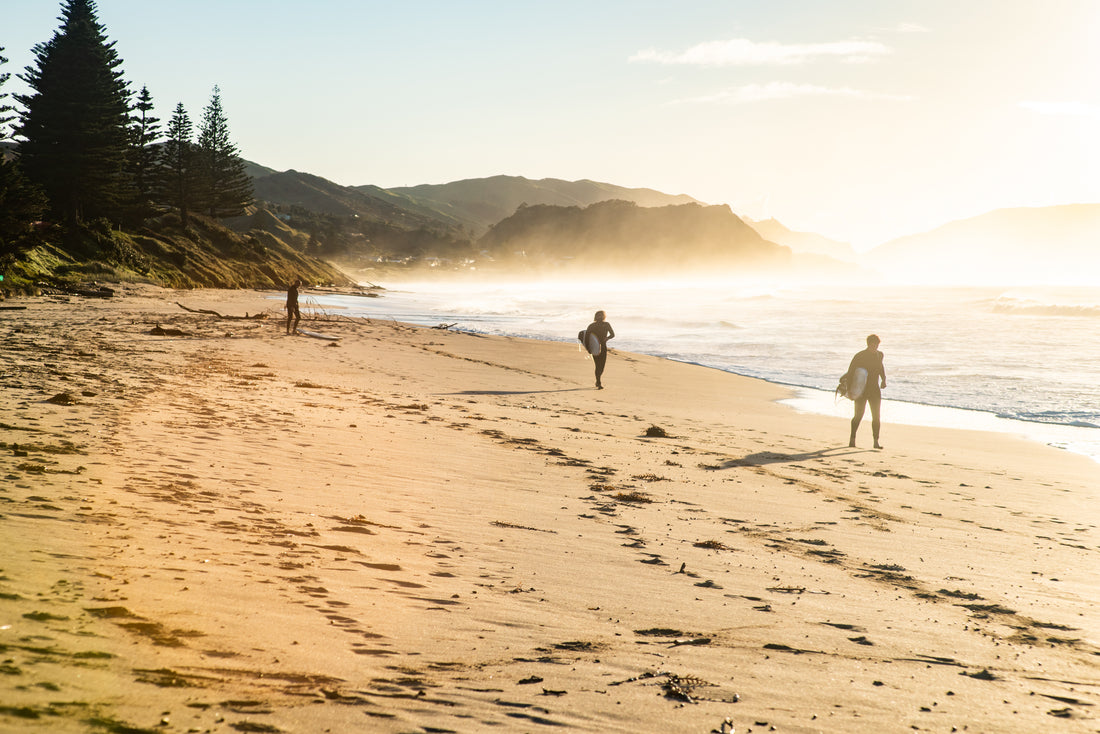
227,529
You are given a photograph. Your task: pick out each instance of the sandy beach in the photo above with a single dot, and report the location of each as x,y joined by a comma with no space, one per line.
210,526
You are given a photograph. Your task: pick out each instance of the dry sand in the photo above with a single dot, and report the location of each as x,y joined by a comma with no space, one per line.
415,530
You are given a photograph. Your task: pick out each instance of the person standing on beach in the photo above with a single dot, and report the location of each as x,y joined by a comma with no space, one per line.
869,359
293,315
602,331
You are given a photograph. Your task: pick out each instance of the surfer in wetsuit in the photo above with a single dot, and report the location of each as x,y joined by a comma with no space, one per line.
869,359
602,331
292,312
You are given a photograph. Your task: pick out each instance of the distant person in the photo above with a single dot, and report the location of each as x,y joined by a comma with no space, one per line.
602,331
869,359
293,315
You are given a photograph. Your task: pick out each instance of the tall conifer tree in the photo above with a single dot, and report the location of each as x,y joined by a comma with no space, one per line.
226,187
145,153
179,170
5,108
74,125
20,202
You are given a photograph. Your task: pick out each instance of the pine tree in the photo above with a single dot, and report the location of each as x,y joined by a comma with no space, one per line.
226,188
145,152
20,202
5,108
74,125
179,169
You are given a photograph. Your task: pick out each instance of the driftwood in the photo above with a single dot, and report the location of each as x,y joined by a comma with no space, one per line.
99,292
158,330
221,316
445,327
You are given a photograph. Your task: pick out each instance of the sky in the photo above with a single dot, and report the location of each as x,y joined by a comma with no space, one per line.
862,120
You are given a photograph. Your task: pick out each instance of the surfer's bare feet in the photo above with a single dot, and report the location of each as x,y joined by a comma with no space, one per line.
878,446
852,445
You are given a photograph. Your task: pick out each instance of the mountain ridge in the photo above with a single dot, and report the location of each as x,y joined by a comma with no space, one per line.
1048,244
803,242
619,238
482,202
1000,245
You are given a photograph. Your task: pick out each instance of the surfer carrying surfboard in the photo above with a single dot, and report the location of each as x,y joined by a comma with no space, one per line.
870,359
595,340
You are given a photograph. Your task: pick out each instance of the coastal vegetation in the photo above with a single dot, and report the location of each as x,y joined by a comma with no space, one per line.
91,189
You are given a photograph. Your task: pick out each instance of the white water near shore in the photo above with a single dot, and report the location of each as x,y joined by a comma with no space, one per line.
1019,360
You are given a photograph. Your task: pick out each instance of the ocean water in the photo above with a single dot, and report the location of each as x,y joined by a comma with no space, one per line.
1019,360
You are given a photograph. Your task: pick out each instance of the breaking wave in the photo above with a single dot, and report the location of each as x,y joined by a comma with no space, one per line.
1027,307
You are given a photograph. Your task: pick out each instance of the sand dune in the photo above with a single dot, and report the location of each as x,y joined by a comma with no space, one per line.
411,529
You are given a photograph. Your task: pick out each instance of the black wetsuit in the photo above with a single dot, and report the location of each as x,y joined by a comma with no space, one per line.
869,359
293,315
603,332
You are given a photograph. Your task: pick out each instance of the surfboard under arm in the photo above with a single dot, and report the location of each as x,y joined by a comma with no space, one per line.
593,344
857,383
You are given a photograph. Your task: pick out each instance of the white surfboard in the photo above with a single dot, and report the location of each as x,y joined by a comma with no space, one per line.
593,344
857,383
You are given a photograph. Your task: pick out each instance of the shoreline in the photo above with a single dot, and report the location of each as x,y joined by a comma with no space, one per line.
1073,439
1077,439
1081,439
418,529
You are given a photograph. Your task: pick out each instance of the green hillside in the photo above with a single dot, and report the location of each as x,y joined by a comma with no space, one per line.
206,253
479,203
619,237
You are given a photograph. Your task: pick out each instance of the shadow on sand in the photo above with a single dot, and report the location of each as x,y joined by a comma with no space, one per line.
516,392
762,458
